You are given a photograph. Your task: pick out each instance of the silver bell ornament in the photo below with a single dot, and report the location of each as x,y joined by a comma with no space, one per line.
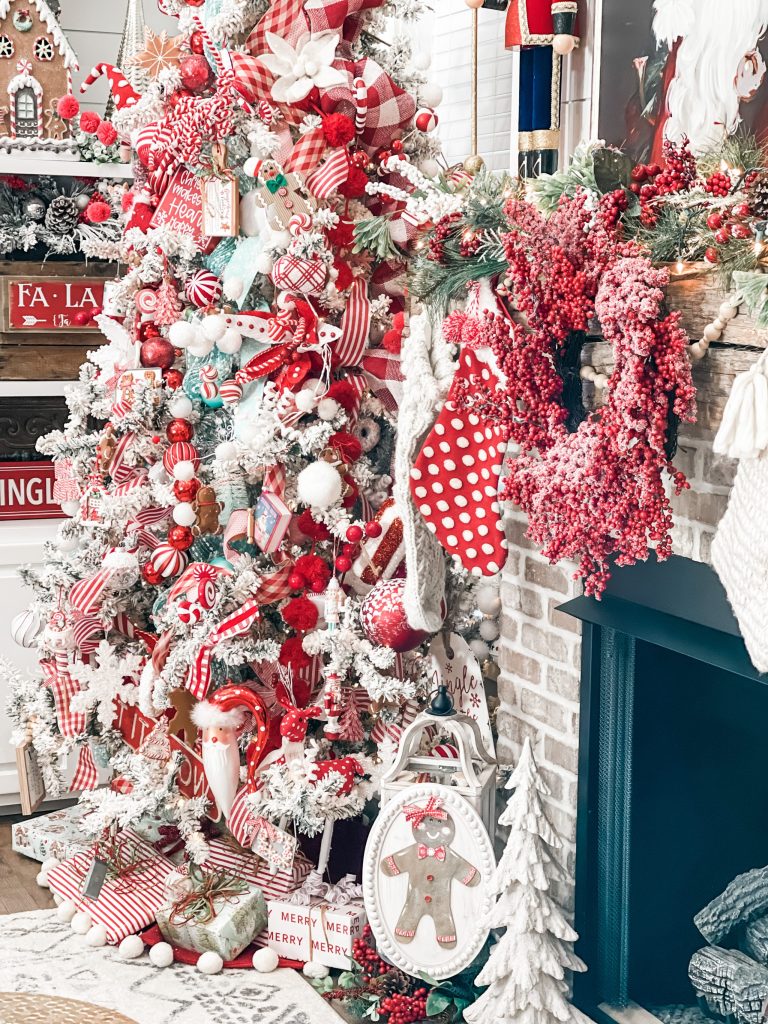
33,208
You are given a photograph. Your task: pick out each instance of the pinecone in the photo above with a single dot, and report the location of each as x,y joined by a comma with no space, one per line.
394,982
758,198
62,215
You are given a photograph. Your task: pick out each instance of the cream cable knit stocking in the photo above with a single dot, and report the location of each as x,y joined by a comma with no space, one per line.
428,369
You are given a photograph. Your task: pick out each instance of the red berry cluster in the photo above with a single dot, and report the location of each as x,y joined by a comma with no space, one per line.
442,231
351,549
718,184
650,181
400,1009
612,205
364,953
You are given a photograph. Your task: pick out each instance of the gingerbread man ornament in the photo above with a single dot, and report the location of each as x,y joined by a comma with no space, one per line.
280,195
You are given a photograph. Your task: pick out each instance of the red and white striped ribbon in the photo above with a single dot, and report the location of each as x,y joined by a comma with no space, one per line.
197,572
355,324
86,774
236,624
64,687
118,470
332,173
307,153
274,479
87,593
85,631
237,526
152,515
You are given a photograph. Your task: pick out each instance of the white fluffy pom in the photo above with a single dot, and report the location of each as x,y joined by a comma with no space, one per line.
327,408
281,239
97,936
430,94
81,923
201,346
249,432
161,954
131,947
489,629
66,911
210,963
48,863
180,407
182,334
319,485
488,600
226,451
264,263
251,166
315,970
230,342
305,400
42,879
184,470
421,60
184,514
70,508
214,326
265,960
429,167
233,288
480,649
158,474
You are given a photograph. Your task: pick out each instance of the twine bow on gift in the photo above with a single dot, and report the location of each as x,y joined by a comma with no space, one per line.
203,891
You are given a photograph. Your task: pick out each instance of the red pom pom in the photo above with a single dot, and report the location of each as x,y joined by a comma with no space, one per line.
338,129
314,569
343,235
392,341
293,655
308,526
344,276
300,614
398,320
68,107
354,186
140,218
89,121
126,200
347,445
343,393
106,133
97,213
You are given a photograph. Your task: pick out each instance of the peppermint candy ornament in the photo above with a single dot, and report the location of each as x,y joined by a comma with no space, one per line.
426,120
188,612
167,561
203,288
208,386
146,301
299,223
180,451
206,594
231,392
384,619
296,274
26,627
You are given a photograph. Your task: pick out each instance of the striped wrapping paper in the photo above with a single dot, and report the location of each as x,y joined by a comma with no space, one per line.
254,870
124,906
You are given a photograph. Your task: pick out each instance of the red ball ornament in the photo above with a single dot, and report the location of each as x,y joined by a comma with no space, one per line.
361,160
741,210
296,581
397,146
195,72
186,490
173,379
742,231
157,352
711,255
150,574
426,120
196,42
181,537
714,221
343,563
373,529
723,235
195,3
349,549
317,586
384,621
354,534
179,430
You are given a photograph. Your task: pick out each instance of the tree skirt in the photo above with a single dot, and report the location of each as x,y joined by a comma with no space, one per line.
38,955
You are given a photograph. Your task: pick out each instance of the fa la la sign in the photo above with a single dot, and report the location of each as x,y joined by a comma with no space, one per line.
43,304
26,491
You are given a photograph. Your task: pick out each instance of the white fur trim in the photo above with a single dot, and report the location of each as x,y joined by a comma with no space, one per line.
672,19
209,716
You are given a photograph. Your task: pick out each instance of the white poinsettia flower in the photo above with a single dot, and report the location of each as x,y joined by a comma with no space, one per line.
298,69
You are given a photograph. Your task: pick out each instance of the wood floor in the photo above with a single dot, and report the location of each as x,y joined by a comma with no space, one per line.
18,889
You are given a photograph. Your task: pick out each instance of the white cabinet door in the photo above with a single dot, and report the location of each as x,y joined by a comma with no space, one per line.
21,543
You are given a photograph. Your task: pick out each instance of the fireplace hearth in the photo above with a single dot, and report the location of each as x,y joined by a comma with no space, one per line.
673,793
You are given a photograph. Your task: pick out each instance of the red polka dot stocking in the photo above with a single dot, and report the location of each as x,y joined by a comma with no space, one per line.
455,479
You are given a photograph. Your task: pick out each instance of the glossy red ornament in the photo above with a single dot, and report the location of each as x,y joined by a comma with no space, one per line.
714,221
296,581
723,235
173,379
150,574
195,72
349,549
317,586
741,211
196,42
179,430
186,490
343,563
384,621
181,537
157,352
397,146
361,160
354,533
741,231
195,3
711,255
373,529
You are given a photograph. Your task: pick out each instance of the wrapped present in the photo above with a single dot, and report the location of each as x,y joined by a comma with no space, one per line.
133,887
230,856
212,910
271,519
317,930
381,557
51,835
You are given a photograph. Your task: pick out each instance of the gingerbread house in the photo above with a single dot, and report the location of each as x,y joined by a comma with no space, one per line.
36,65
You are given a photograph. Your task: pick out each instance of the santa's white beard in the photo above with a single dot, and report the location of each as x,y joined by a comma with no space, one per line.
221,762
702,100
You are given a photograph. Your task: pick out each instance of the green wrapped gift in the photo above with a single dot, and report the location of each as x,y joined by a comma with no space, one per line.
212,910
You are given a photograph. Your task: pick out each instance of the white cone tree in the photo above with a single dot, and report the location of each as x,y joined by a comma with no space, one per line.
526,971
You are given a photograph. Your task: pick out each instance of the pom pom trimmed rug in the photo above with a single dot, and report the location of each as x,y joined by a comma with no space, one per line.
49,967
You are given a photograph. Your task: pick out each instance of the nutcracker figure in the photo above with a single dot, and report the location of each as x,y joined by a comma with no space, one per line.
544,31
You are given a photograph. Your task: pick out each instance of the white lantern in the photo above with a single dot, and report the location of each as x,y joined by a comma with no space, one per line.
472,772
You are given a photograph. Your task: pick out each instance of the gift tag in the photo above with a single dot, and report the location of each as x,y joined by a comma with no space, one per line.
220,206
95,879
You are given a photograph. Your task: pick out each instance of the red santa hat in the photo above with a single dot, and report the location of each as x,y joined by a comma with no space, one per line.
206,715
672,19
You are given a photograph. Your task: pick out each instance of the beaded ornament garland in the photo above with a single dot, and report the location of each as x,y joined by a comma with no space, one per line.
594,492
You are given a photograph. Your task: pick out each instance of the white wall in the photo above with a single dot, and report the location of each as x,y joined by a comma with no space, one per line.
93,28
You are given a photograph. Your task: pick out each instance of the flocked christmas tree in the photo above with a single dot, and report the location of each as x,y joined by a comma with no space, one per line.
526,972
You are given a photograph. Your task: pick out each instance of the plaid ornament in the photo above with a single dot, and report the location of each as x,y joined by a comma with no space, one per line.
296,274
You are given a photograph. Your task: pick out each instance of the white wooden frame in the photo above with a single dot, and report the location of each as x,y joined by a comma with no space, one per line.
384,896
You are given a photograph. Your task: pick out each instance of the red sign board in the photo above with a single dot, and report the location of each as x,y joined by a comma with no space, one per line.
46,304
26,491
181,208
135,727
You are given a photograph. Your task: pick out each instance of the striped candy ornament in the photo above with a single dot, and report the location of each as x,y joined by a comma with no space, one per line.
209,389
231,392
167,560
299,223
266,113
189,612
447,750
426,120
203,288
146,301
361,104
180,451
